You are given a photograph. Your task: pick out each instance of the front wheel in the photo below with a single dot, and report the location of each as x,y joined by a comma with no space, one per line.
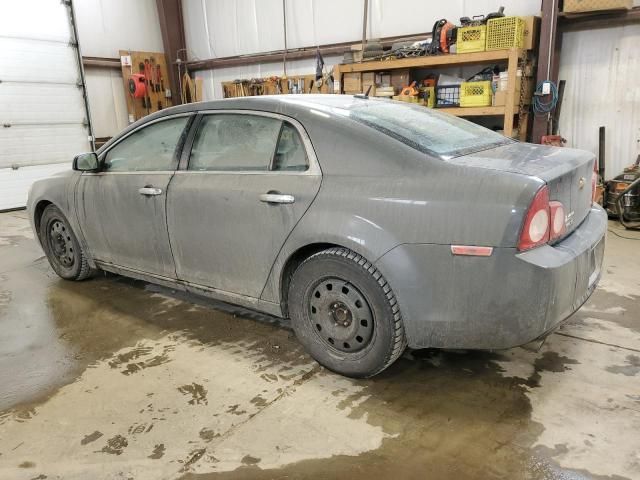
61,246
345,314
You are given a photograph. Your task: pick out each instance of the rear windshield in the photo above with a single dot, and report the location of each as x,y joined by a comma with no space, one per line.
426,130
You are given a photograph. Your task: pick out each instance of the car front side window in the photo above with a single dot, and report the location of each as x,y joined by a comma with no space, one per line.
234,142
151,148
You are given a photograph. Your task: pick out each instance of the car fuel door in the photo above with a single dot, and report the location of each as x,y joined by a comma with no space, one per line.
250,179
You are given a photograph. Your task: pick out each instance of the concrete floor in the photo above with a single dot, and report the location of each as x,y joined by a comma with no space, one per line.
112,378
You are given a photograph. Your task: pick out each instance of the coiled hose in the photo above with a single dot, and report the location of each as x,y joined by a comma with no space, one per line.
541,106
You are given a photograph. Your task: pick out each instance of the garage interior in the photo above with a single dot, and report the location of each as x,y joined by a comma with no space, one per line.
119,378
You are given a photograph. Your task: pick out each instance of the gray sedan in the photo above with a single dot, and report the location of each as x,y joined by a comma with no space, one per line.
371,224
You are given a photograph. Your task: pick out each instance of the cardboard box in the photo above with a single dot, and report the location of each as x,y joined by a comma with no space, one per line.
531,32
500,96
352,82
383,79
399,79
593,5
368,78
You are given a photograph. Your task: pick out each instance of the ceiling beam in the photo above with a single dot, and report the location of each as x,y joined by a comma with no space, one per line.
101,62
276,56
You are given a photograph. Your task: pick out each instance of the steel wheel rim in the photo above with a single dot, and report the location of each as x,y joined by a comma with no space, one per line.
340,315
60,243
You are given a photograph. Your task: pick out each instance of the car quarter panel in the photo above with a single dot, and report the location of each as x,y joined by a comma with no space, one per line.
496,302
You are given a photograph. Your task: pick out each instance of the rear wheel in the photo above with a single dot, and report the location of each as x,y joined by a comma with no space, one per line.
61,246
345,314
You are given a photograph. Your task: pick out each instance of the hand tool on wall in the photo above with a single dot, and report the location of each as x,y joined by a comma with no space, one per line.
160,79
154,75
142,78
148,73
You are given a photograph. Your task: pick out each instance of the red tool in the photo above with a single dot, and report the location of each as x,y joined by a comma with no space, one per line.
148,73
138,87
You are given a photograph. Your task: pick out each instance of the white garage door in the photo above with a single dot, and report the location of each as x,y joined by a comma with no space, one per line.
43,121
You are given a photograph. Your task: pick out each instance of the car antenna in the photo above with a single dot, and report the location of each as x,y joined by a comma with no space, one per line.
364,96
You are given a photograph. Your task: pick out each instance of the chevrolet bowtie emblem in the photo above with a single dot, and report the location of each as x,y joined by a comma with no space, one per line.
581,183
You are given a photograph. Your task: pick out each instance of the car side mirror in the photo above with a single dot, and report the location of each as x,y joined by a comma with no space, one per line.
86,162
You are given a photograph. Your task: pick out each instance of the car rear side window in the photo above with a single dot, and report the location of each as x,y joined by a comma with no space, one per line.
424,129
151,148
234,142
290,155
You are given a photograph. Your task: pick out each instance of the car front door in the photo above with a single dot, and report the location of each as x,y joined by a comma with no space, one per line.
122,208
249,178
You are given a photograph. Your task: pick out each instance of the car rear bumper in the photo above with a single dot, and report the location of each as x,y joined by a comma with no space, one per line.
508,299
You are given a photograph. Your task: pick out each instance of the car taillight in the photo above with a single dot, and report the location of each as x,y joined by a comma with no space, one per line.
544,221
535,230
594,184
558,227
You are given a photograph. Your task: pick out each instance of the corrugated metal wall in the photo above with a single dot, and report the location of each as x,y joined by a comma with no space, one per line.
602,70
105,27
220,28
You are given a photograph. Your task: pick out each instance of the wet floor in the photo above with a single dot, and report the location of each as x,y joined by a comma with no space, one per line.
113,378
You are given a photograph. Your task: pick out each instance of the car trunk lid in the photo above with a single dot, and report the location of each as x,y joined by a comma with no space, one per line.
566,171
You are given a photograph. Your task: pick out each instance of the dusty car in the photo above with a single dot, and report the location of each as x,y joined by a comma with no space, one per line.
371,224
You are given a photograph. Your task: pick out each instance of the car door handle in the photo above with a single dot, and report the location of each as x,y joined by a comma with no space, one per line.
276,198
150,191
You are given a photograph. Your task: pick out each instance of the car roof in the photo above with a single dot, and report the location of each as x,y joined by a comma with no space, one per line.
279,103
294,105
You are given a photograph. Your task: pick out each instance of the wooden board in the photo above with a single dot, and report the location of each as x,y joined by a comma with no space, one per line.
155,89
430,61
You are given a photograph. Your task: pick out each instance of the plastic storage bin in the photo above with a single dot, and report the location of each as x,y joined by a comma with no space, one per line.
475,94
471,39
505,32
448,95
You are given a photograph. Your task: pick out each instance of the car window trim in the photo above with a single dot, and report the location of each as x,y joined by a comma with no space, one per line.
176,156
314,166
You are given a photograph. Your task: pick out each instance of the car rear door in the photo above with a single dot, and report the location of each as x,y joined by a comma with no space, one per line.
246,181
122,208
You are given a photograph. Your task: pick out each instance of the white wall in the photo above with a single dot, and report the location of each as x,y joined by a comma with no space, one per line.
222,28
107,101
105,27
602,70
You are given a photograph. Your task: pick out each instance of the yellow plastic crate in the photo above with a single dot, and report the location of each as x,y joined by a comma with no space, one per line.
475,94
429,95
471,39
505,32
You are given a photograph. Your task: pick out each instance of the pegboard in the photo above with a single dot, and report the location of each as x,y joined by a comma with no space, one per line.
150,69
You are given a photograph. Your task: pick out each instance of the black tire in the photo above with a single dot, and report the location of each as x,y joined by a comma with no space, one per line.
60,244
345,314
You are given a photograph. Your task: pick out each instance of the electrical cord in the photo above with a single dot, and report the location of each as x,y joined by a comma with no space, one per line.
622,236
540,106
